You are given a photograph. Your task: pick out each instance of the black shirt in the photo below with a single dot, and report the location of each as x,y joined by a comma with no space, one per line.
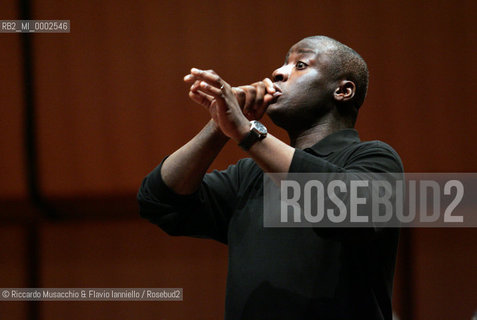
287,273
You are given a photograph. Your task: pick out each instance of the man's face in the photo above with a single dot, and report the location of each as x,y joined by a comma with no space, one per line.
306,84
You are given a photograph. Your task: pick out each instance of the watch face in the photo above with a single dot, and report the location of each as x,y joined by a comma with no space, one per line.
259,128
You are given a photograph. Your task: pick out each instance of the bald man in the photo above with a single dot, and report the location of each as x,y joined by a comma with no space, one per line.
281,273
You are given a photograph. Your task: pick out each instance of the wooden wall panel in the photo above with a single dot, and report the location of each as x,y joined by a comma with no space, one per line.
131,255
13,270
445,270
111,103
12,174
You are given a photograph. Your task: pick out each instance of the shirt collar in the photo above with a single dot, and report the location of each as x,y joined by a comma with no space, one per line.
334,142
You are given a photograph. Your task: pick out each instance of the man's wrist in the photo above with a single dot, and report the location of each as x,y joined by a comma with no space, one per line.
242,132
216,131
257,132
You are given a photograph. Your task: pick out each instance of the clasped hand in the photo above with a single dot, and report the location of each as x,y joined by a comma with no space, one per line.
231,108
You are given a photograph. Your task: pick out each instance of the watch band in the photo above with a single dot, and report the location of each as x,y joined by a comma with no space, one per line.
257,132
249,140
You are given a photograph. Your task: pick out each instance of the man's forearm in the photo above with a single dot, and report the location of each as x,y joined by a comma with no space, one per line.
183,170
272,154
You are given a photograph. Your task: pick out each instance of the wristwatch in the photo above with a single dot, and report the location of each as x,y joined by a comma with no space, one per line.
257,132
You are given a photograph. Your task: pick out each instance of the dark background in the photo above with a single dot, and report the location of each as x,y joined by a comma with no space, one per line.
86,115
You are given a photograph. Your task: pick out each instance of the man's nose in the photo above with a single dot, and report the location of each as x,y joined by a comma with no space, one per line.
281,74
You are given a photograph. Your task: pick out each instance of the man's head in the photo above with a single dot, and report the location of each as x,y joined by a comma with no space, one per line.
320,76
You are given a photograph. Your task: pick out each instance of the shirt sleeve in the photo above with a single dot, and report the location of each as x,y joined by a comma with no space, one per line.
203,214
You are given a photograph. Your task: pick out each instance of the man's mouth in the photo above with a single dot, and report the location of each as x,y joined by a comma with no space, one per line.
276,95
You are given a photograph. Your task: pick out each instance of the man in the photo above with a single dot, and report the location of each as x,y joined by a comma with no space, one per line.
281,273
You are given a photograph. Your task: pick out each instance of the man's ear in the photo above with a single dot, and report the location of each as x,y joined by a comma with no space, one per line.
345,91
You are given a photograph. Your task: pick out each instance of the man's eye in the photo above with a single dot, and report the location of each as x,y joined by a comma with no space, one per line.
300,65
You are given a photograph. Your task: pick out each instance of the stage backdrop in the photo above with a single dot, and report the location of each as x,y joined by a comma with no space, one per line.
107,103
